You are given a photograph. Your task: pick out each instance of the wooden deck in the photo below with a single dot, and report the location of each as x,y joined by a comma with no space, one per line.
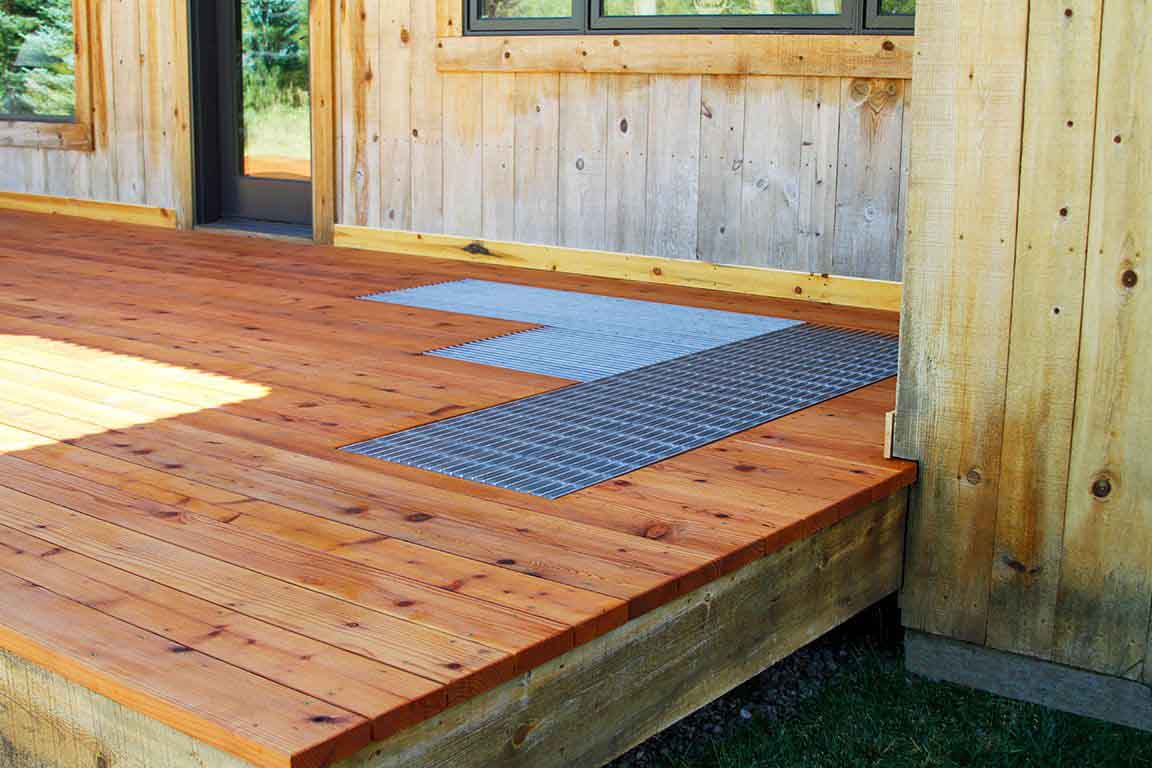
179,534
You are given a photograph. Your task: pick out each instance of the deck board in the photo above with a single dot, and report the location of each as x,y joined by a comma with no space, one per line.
171,406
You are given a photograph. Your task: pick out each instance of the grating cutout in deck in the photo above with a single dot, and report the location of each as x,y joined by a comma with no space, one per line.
590,312
568,354
560,442
585,336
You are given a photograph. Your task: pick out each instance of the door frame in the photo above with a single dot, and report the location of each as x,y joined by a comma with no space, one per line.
322,77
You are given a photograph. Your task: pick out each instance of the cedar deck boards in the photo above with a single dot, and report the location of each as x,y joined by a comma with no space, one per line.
186,539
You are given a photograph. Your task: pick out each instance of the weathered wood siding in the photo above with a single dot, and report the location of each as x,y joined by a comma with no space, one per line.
1025,389
140,120
799,173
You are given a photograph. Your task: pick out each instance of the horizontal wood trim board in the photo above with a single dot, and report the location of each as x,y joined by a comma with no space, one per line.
1078,691
759,281
121,213
795,55
44,135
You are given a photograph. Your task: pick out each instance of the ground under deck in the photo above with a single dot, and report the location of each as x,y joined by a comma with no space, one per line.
182,535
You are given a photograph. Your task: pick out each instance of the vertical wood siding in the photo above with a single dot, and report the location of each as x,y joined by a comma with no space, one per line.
138,115
798,173
1025,390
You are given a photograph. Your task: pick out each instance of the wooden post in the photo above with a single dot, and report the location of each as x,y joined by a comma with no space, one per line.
1052,242
1024,390
323,88
968,88
1102,618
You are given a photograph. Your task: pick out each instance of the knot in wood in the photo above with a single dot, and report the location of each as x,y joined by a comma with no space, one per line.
1102,487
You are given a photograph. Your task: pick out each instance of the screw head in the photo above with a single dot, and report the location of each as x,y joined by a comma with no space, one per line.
1129,278
1102,488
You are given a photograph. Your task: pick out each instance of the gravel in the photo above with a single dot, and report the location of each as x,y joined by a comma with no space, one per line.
772,695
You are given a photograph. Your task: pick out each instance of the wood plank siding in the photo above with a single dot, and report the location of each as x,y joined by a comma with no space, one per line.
141,153
688,166
171,488
1024,389
794,172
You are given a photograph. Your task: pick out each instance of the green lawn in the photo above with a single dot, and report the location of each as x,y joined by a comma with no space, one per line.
873,714
279,130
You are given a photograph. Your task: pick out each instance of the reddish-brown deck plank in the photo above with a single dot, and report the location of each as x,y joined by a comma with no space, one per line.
170,409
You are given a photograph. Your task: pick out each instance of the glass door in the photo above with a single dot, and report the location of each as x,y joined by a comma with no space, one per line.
254,112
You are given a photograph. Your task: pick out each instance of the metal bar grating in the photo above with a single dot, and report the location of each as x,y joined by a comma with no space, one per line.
567,354
560,442
589,312
585,336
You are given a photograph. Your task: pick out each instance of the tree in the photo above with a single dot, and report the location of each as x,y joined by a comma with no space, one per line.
37,58
275,51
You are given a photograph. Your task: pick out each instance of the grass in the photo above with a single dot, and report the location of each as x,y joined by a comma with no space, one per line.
279,130
874,714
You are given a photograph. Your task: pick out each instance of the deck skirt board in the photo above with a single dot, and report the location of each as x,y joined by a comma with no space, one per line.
570,439
171,482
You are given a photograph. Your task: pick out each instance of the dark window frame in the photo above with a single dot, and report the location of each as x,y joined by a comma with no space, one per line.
859,17
876,21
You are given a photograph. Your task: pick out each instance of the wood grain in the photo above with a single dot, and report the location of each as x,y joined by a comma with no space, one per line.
1052,243
168,446
713,54
1102,616
757,281
968,92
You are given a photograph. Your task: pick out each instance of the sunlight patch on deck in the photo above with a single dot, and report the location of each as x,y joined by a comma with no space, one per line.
53,390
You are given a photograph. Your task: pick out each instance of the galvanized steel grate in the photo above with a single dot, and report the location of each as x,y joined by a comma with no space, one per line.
567,354
563,441
586,336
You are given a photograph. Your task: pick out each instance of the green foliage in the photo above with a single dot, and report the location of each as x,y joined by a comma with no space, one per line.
898,6
275,36
875,716
275,72
562,8
708,7
37,58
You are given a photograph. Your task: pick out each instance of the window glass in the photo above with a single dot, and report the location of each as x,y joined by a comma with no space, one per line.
639,16
277,112
897,7
720,7
526,9
37,59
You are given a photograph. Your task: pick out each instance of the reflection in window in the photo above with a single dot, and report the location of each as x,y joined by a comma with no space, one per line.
719,7
526,9
37,60
897,7
277,113
639,16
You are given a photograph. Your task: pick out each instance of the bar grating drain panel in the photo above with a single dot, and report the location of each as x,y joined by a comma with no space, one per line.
585,336
568,354
563,441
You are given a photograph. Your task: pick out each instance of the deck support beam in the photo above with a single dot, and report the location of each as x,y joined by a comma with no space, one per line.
594,704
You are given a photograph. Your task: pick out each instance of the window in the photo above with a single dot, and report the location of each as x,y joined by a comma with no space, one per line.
45,75
37,60
591,16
